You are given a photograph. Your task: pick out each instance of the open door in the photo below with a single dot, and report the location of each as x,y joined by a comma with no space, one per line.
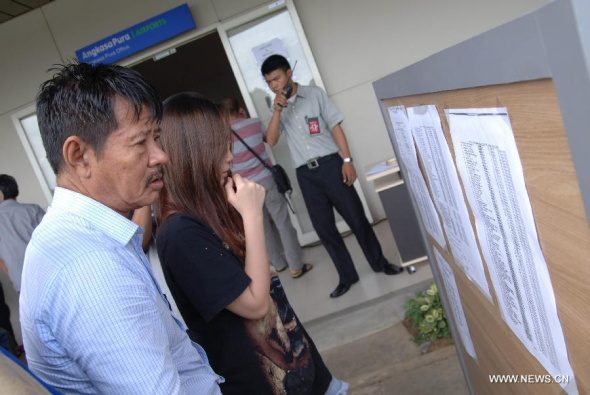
251,40
225,61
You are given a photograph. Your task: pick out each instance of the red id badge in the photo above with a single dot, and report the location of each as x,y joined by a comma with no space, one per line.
314,125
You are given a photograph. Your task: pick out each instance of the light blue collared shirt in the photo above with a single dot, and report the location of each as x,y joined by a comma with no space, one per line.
92,314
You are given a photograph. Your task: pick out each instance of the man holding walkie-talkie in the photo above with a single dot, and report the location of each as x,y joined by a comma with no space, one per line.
314,135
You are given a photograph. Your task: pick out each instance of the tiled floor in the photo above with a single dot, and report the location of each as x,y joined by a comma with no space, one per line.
309,295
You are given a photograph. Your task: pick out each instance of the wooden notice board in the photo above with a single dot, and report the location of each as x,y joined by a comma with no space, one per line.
561,224
537,68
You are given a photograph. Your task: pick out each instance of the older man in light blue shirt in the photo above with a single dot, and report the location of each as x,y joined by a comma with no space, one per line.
94,319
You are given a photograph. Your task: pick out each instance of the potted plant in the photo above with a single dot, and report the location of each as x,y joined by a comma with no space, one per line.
426,318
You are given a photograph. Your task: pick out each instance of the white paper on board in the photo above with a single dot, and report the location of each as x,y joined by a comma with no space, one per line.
407,152
446,191
492,174
454,300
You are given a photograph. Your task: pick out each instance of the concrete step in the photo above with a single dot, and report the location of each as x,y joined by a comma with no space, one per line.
437,373
362,320
388,362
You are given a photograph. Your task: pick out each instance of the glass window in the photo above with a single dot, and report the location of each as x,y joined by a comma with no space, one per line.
252,43
33,135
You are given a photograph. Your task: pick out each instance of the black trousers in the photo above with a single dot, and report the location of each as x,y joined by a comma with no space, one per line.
323,190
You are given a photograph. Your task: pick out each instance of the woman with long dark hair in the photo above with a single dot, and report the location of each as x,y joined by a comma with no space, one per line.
213,254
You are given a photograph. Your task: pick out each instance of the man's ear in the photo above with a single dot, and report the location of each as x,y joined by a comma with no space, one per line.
78,156
289,73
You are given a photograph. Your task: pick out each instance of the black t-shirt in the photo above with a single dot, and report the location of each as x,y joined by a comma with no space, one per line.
273,355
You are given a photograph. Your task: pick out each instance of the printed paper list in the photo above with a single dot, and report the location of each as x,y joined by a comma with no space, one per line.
489,164
405,143
455,302
446,190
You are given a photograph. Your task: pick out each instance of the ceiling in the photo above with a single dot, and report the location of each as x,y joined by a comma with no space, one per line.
13,8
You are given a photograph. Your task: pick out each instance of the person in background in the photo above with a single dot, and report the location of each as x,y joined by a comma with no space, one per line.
212,250
93,317
17,223
286,251
314,136
7,339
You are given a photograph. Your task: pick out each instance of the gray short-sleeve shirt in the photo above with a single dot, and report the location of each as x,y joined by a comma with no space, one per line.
308,122
17,223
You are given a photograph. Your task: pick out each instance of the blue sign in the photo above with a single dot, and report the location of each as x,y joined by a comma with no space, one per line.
138,37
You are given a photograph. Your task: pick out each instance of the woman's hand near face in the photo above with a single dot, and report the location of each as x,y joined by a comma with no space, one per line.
246,196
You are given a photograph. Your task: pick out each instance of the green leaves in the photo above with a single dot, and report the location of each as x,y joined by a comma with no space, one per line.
428,315
435,314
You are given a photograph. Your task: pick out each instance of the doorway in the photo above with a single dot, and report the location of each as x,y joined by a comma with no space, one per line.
200,66
226,62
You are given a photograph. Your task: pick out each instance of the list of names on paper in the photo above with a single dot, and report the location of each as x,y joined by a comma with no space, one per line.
407,152
489,164
454,300
446,190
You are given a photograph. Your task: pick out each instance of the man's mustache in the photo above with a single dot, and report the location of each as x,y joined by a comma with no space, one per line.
158,174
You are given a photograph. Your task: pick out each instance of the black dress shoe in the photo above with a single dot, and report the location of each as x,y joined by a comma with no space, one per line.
340,290
391,269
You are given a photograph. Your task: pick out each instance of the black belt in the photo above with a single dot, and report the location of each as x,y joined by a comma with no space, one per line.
315,163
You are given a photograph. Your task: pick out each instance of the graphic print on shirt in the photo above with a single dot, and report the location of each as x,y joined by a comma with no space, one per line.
281,347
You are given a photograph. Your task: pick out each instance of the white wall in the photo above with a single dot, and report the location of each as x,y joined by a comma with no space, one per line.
354,43
357,42
27,51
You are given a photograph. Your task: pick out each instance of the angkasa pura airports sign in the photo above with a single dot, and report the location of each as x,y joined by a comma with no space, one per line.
138,37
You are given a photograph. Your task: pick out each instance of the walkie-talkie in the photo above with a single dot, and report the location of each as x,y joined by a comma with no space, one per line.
288,89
